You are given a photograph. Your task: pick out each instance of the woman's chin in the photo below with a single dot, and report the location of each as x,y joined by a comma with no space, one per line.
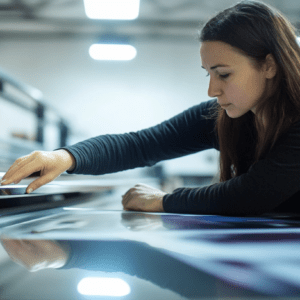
232,113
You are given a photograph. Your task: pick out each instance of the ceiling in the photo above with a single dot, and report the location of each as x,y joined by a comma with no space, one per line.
171,20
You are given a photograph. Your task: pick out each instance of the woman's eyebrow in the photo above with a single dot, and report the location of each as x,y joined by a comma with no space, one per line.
216,66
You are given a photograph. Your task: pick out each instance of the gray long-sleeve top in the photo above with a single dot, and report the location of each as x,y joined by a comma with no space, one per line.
271,184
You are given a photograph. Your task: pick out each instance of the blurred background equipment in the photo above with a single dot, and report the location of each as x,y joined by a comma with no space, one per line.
26,121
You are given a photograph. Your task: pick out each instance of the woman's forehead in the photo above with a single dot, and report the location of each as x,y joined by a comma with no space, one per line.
214,53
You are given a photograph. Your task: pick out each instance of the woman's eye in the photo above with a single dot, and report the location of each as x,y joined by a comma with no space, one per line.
224,76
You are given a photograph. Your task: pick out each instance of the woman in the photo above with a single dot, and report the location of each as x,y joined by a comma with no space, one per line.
252,57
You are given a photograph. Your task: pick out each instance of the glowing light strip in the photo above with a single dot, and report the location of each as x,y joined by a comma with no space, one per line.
112,52
112,9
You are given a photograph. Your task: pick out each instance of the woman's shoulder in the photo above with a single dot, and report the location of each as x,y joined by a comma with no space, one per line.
209,104
205,108
295,127
291,136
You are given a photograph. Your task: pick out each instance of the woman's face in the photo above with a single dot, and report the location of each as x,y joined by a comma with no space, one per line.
233,78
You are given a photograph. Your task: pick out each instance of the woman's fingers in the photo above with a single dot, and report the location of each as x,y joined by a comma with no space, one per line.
46,164
22,172
14,173
41,181
11,170
143,197
130,194
135,191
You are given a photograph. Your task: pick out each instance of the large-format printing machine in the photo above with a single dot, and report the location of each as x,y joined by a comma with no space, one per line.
119,254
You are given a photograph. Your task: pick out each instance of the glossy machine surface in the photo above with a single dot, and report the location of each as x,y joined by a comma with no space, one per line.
157,255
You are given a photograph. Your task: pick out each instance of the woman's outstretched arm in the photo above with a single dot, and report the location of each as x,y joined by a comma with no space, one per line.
188,132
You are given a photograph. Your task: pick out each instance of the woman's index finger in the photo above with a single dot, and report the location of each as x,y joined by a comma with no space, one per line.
13,168
20,172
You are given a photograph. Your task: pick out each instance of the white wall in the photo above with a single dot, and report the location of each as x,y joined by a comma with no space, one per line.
110,97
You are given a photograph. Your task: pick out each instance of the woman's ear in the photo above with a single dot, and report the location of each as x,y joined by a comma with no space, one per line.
270,66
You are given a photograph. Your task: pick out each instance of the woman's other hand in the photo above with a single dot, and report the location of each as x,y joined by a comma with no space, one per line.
143,197
50,164
36,255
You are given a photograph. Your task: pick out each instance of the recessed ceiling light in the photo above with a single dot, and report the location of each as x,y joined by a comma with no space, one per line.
112,9
112,52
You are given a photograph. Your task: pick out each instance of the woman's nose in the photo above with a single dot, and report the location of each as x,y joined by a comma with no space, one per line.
214,88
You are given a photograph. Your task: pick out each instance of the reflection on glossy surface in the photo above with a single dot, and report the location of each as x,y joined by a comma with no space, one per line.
13,190
187,254
95,224
90,224
97,286
36,255
132,258
142,221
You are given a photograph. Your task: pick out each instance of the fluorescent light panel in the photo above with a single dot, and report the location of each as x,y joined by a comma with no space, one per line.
101,286
112,52
112,9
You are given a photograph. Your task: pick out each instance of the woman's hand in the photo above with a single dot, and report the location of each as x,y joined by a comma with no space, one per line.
143,197
50,164
36,255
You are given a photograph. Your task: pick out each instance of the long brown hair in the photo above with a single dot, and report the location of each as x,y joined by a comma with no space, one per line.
256,30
